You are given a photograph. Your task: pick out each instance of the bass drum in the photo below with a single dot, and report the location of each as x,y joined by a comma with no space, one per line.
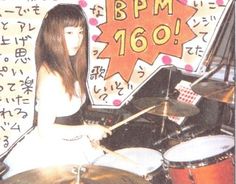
207,159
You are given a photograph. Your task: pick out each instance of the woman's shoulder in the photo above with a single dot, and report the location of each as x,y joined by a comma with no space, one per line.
47,76
47,79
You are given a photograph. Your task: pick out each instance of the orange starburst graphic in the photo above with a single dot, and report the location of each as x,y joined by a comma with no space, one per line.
142,29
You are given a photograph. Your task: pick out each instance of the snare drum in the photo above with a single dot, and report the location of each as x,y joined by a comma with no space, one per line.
144,162
202,160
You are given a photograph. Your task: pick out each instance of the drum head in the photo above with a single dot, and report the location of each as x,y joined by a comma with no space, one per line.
199,148
138,160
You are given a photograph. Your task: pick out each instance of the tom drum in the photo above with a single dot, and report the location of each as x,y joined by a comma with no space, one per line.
202,160
144,162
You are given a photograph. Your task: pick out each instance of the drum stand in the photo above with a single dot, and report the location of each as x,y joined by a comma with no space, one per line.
165,114
222,92
163,132
225,106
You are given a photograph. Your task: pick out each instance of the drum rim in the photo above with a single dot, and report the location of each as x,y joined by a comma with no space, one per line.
201,162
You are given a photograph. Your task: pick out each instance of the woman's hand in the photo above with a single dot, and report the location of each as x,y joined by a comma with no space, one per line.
97,132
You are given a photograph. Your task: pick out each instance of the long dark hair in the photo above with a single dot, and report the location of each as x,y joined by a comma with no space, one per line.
51,50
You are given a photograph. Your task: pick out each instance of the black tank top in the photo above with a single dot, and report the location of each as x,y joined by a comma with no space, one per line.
74,119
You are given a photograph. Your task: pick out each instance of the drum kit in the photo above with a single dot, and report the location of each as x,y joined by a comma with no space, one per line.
204,159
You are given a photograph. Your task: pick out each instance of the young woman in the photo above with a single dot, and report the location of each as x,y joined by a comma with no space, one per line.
60,137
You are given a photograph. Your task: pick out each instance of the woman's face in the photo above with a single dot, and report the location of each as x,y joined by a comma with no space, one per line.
73,37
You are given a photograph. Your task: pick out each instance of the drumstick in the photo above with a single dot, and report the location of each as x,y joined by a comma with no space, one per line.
207,74
115,154
131,117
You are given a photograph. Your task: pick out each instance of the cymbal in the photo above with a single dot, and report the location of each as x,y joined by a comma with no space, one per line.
89,174
166,107
219,91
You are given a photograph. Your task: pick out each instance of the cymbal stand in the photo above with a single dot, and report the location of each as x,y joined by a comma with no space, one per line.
217,42
230,57
166,99
78,171
163,125
78,175
226,61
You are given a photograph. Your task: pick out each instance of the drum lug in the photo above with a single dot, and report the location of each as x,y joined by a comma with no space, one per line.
166,171
190,177
233,161
165,166
231,155
167,176
148,177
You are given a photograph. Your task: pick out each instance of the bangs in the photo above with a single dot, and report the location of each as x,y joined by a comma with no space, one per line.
73,16
74,22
